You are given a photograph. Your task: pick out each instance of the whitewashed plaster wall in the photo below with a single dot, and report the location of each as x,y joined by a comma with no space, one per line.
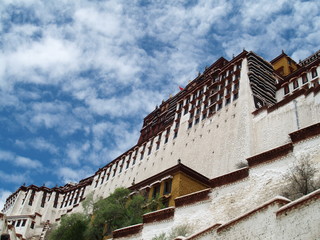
299,223
212,147
271,129
265,181
215,145
257,226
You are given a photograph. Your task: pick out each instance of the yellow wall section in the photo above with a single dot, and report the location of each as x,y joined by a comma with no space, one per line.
181,185
287,65
189,185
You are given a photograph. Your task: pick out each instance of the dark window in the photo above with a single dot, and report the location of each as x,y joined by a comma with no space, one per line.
97,181
235,96
56,198
175,134
156,191
211,109
304,78
77,196
43,201
25,196
115,170
149,150
165,203
32,225
32,197
196,121
121,166
204,116
286,89
134,158
166,140
219,106
190,124
295,84
185,111
314,73
236,86
23,222
167,187
213,99
64,198
66,202
101,181
83,191
70,202
18,223
228,101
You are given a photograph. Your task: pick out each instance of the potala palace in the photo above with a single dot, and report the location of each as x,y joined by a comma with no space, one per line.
217,153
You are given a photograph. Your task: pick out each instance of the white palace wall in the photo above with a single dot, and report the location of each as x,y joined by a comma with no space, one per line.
199,146
271,129
264,183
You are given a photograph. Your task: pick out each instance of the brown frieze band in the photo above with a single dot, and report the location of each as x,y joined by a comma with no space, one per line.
305,133
270,155
158,215
192,198
131,230
230,177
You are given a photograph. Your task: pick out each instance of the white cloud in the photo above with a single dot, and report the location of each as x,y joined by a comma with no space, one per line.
73,175
16,178
27,162
43,62
137,102
51,115
100,129
76,153
43,145
5,155
4,194
19,161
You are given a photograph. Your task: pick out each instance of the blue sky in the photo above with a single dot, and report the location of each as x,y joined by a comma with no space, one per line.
77,77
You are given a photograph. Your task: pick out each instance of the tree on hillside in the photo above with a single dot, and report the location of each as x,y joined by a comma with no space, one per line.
115,211
302,180
72,227
88,204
